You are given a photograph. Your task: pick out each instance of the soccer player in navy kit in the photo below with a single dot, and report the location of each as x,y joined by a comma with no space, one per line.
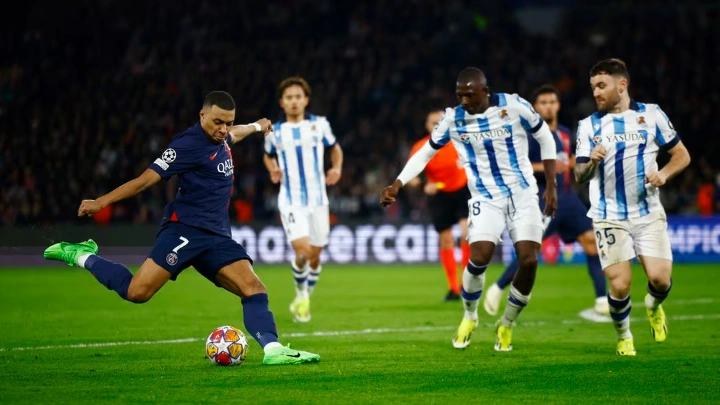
195,229
571,221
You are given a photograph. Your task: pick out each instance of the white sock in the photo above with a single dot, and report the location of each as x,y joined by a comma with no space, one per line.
471,286
82,259
271,345
651,302
516,303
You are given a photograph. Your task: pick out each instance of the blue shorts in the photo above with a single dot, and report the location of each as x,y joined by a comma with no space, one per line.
571,219
180,246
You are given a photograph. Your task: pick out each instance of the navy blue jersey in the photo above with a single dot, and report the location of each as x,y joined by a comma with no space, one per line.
562,147
205,174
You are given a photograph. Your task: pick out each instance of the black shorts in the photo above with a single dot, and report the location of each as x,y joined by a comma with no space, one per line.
180,246
446,209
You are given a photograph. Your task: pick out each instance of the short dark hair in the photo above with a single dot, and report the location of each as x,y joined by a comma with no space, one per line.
612,67
219,98
294,81
544,89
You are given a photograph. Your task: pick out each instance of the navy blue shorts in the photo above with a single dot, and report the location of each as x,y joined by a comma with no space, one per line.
571,219
180,246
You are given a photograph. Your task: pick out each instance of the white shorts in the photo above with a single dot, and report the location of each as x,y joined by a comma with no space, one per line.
622,240
520,213
300,222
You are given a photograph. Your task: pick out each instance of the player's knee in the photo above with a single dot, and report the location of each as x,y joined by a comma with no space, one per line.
139,295
660,282
302,254
528,260
619,287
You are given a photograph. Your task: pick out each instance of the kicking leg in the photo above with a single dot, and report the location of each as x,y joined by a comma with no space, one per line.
114,276
240,279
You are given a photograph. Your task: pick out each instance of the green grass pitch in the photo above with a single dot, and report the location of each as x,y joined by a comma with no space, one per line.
382,331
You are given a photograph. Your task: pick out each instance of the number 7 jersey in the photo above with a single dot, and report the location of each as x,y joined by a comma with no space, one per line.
632,139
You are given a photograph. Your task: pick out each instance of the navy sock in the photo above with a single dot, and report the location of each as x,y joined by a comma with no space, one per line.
507,277
114,276
597,276
259,321
659,295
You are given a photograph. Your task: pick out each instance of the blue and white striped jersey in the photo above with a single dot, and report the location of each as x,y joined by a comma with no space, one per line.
300,150
632,140
493,146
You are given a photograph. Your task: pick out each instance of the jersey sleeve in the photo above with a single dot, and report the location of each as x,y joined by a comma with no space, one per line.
583,143
328,136
178,158
529,119
665,134
270,148
441,133
533,150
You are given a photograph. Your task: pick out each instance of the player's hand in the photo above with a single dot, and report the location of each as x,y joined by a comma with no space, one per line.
550,198
657,179
598,154
561,167
333,176
266,125
431,188
276,175
89,208
387,198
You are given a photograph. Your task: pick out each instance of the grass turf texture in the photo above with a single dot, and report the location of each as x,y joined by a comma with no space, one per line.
553,361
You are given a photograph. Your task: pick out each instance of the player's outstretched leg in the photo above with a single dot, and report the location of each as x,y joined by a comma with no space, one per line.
494,294
239,278
112,275
520,290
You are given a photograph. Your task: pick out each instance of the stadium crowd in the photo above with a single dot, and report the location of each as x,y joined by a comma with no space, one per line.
85,107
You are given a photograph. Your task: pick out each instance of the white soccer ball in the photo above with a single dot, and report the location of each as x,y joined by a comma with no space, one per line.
227,346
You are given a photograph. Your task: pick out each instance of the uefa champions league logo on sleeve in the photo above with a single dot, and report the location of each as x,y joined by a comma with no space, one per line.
169,155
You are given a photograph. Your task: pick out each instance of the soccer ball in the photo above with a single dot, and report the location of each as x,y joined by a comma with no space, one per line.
227,346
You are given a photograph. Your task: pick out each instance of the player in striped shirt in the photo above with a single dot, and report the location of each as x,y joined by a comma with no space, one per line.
616,151
490,133
571,222
294,156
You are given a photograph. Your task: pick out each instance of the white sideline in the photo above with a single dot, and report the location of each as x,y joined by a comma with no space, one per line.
331,333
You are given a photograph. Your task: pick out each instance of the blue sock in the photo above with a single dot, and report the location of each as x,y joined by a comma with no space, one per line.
114,276
507,277
597,276
259,321
620,314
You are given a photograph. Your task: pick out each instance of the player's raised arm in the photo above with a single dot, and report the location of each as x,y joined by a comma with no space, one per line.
416,164
240,132
130,189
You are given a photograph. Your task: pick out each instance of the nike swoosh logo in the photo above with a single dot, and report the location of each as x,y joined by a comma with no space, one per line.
297,355
213,156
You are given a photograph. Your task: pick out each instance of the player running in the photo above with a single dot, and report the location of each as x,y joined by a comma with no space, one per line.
616,151
448,195
571,221
490,132
195,228
294,156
